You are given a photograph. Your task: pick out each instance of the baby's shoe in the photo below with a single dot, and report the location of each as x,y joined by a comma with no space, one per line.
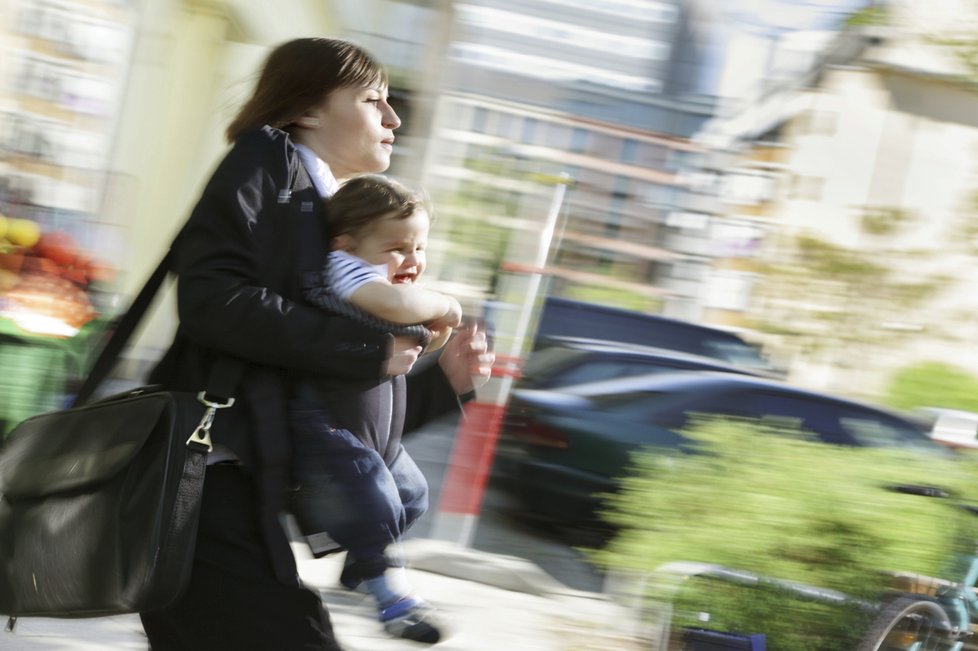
412,619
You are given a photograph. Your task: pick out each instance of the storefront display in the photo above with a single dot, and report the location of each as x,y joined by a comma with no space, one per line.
63,67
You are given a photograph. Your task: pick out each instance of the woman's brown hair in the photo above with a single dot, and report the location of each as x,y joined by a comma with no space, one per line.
368,198
299,75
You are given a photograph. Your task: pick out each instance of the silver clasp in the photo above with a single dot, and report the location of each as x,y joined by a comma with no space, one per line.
202,435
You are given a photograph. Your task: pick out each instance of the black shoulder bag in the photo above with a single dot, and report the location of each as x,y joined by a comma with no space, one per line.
99,503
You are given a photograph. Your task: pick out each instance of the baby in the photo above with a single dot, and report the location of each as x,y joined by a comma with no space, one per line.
355,483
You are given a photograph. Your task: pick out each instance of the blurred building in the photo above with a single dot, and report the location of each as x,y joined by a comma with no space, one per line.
498,98
607,94
877,155
615,94
600,91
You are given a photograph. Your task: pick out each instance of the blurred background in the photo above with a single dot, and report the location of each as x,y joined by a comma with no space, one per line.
798,176
802,173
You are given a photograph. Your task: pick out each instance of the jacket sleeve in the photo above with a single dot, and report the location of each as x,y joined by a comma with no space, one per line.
234,265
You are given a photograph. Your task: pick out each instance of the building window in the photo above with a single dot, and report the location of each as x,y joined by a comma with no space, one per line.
689,270
604,145
528,131
652,155
629,151
656,194
479,119
558,136
616,207
579,140
504,125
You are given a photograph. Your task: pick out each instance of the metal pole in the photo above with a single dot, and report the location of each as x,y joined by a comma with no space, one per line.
463,489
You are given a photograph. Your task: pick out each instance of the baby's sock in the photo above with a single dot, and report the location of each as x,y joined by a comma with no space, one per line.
389,587
398,581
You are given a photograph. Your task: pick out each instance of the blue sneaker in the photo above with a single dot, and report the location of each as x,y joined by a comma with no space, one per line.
410,618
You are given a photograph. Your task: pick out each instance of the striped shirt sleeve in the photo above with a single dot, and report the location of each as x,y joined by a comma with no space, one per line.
347,273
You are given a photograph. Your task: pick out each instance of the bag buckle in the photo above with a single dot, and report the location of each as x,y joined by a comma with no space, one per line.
202,435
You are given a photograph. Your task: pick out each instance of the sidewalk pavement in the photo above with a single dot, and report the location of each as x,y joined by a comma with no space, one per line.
488,602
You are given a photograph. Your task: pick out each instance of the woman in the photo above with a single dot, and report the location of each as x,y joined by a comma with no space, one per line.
319,105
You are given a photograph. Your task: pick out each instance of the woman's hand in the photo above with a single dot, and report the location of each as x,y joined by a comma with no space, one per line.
467,361
403,356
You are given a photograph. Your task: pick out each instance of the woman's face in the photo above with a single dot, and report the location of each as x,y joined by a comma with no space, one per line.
352,131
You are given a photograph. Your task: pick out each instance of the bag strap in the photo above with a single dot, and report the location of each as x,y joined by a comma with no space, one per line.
122,331
224,376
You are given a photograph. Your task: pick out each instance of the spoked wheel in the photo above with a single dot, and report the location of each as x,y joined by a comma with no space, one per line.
910,623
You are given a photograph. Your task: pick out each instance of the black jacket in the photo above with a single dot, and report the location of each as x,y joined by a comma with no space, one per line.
240,262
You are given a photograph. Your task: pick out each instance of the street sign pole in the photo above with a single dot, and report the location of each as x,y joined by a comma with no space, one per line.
465,481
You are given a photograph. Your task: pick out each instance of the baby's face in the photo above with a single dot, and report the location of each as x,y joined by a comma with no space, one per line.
397,243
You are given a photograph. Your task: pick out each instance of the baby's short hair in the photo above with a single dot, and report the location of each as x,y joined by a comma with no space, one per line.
368,198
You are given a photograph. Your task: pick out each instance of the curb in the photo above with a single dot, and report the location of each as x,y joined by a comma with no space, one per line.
496,570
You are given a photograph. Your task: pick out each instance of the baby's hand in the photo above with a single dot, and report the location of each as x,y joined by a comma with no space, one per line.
452,317
441,328
438,338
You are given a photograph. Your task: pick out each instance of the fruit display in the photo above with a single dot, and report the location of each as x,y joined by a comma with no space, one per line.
44,276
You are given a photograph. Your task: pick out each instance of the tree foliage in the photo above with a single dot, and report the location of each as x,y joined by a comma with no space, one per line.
824,296
869,16
932,384
771,501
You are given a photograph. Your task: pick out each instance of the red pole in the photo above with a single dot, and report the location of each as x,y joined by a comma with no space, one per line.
475,445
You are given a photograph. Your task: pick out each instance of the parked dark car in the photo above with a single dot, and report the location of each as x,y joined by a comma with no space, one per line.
559,449
578,361
562,318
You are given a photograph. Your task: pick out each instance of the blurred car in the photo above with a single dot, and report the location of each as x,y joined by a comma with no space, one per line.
571,361
566,318
560,449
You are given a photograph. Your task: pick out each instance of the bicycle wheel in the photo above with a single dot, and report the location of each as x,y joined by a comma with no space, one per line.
910,623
